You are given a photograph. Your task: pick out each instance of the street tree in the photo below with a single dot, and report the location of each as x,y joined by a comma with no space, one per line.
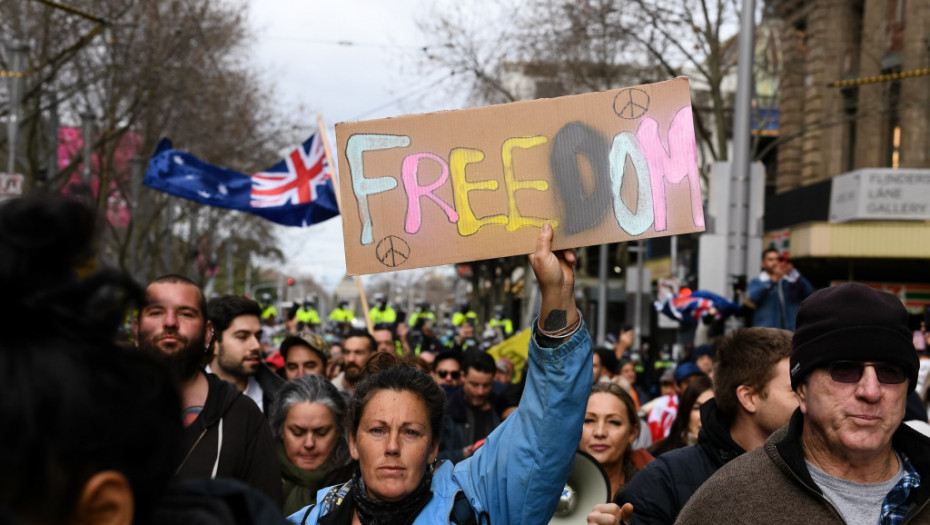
146,70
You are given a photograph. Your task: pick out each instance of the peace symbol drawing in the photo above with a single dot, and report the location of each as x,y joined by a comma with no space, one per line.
392,251
631,103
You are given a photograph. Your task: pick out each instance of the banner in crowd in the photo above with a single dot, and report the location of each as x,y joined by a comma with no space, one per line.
515,348
454,186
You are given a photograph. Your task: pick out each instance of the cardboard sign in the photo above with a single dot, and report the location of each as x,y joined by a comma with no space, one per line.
424,190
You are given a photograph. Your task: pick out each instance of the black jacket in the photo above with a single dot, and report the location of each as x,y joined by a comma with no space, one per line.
271,383
458,427
661,489
231,424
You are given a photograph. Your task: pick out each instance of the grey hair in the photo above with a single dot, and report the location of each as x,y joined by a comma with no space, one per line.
312,389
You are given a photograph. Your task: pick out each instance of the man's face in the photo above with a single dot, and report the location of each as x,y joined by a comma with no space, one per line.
448,372
171,326
770,261
705,363
239,348
302,361
628,372
626,338
466,331
385,341
777,401
667,388
597,367
356,351
477,387
845,420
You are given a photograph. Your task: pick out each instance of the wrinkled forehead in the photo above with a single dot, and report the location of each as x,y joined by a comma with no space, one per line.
174,295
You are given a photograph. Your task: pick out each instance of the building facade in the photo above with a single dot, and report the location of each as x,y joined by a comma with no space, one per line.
850,197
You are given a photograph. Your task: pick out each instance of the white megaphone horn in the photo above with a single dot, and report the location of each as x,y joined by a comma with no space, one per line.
586,487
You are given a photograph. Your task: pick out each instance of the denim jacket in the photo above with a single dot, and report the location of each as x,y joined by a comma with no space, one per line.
517,476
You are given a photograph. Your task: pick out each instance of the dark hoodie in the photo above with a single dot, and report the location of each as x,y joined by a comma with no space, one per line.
661,489
231,423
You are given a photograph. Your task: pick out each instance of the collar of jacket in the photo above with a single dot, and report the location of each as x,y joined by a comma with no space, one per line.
786,442
714,436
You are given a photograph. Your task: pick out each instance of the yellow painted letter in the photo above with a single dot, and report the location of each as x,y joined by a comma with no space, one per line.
459,159
517,221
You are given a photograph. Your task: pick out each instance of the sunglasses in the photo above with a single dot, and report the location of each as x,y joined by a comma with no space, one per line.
443,373
851,372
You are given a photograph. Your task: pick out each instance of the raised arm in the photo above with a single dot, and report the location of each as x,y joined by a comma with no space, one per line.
556,276
516,477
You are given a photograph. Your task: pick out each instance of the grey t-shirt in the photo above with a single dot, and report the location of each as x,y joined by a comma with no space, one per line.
857,503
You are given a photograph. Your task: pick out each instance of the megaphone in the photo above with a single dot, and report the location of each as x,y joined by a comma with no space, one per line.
586,487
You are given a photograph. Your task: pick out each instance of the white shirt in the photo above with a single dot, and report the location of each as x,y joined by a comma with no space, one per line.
252,390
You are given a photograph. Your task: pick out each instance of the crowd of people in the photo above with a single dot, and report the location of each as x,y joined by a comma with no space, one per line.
196,415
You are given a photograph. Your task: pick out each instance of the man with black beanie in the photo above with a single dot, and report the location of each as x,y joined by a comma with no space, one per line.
844,457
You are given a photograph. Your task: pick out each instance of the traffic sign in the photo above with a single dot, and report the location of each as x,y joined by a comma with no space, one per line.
11,185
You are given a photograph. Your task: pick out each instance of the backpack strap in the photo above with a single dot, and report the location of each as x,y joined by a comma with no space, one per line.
303,520
462,511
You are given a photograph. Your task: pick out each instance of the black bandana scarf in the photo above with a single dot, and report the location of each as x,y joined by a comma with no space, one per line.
376,512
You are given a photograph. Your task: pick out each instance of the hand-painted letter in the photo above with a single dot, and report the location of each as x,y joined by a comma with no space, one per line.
355,147
672,164
582,210
626,144
515,220
459,159
415,191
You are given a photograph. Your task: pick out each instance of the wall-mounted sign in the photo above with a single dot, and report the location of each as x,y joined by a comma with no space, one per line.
881,193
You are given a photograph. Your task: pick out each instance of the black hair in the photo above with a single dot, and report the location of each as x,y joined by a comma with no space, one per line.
72,402
480,361
770,249
355,332
448,354
399,376
224,309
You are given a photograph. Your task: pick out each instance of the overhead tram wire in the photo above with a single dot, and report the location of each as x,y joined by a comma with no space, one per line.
397,100
342,43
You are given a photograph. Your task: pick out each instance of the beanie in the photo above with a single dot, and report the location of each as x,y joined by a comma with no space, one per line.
851,322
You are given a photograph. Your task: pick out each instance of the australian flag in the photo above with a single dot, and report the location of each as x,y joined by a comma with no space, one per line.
298,191
689,307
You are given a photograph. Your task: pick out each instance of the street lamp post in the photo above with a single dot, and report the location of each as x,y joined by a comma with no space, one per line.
737,264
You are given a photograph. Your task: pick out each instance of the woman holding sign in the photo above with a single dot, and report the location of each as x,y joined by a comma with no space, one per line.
516,477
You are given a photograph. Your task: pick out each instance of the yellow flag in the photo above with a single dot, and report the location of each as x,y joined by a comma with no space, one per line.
515,348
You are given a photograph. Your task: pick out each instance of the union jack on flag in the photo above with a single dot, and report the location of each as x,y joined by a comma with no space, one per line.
298,191
691,306
294,180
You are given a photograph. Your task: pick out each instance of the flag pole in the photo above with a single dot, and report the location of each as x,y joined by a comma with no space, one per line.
338,185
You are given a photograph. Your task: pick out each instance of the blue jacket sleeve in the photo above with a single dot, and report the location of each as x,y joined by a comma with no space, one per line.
758,290
518,475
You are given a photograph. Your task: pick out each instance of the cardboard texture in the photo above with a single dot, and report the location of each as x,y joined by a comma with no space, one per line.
424,190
